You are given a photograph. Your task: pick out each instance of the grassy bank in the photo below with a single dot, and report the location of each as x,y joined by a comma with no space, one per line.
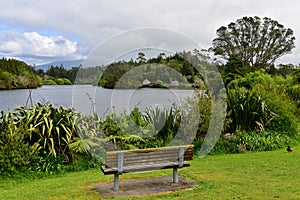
259,175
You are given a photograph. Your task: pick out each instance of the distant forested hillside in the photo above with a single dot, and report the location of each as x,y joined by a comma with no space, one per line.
16,74
162,71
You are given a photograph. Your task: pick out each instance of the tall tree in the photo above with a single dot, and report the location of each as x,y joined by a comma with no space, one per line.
257,42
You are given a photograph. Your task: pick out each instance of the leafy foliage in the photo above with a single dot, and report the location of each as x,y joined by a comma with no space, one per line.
294,93
273,91
247,110
52,128
160,71
235,68
15,151
14,67
166,124
17,74
257,42
241,141
39,134
126,131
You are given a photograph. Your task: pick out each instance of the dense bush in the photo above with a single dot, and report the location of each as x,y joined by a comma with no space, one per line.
49,82
122,132
42,131
8,81
58,81
17,74
15,152
242,141
165,123
247,110
53,128
282,112
63,81
286,119
294,93
262,113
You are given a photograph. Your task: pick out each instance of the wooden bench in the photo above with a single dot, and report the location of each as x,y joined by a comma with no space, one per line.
118,162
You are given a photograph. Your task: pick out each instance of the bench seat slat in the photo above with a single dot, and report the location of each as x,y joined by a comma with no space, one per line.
137,168
112,154
138,157
170,148
134,155
142,161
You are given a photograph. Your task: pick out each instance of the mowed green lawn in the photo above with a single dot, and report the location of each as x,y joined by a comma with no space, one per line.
259,175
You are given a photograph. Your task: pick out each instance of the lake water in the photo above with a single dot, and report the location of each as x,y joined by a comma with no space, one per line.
87,98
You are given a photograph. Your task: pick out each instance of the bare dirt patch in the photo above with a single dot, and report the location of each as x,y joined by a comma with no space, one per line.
139,187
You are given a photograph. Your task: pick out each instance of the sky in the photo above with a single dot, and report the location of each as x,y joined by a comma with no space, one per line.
40,32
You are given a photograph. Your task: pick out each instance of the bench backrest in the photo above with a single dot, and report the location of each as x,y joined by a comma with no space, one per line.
149,156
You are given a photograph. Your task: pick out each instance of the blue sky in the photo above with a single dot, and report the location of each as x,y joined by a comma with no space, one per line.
44,31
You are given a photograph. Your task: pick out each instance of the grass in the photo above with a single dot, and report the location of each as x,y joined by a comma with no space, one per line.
259,175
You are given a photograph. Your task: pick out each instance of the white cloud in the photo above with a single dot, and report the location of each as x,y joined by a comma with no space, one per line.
33,45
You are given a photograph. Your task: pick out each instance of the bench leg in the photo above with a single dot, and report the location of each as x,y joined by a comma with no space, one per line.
116,182
175,175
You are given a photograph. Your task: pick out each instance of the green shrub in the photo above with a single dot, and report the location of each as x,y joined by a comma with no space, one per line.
294,93
50,164
49,82
30,80
59,81
263,141
286,120
16,154
240,142
122,131
282,113
44,130
9,81
83,162
53,128
247,110
251,79
63,81
67,81
204,106
166,124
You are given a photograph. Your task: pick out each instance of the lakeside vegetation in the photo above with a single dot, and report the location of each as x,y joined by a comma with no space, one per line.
263,114
16,74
